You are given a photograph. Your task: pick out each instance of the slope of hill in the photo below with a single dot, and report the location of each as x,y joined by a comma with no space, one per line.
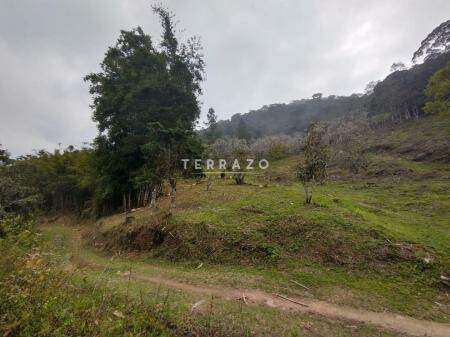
293,117
426,139
401,94
384,233
398,97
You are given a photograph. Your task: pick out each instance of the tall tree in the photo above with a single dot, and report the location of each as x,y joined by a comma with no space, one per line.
211,125
145,94
436,43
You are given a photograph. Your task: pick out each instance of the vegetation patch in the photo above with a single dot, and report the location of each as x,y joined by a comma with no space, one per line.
279,243
39,299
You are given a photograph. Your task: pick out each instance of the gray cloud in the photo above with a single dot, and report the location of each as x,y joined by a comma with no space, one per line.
257,52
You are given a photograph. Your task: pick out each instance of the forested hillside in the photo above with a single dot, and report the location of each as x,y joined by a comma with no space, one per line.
291,118
400,96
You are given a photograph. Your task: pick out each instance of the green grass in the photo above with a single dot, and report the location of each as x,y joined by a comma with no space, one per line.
287,239
214,317
37,298
362,242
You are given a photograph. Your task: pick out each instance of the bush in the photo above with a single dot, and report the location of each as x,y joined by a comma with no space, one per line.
14,225
38,299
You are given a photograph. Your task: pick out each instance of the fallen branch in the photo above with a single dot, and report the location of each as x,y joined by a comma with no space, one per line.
301,285
243,297
291,300
195,305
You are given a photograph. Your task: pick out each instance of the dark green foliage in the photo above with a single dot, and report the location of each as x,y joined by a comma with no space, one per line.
145,104
211,126
438,92
294,117
401,95
16,198
59,181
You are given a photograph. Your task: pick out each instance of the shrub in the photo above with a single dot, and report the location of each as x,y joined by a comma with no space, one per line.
39,299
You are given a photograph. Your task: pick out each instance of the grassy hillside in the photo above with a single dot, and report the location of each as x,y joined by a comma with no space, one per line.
372,243
378,240
424,140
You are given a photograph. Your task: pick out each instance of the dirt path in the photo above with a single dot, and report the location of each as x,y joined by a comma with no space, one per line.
398,323
390,321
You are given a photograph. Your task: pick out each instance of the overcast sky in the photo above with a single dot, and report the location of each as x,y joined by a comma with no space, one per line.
257,52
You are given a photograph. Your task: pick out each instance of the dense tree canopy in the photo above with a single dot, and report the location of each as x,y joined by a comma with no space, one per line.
401,95
145,94
438,92
291,118
58,181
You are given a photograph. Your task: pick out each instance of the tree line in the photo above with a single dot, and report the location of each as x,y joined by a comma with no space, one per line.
145,103
401,96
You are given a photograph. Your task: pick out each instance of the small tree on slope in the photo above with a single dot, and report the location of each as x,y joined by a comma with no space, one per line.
313,170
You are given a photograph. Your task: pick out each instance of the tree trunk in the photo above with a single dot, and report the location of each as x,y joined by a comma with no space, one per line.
126,206
139,198
153,198
173,192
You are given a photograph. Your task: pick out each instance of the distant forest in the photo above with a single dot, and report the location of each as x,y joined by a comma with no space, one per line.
146,105
400,96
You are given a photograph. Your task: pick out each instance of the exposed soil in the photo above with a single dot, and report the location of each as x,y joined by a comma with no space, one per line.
385,320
